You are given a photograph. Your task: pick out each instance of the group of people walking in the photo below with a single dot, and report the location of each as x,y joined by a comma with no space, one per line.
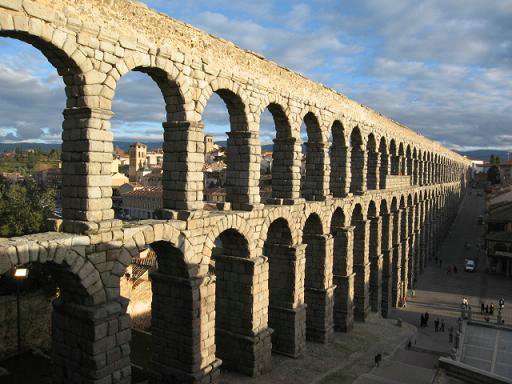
438,324
450,269
487,309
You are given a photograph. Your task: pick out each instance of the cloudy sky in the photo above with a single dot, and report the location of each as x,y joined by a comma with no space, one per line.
442,67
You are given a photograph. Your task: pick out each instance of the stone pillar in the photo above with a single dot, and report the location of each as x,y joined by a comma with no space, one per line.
358,170
287,311
376,260
372,181
409,167
343,279
412,262
428,240
183,328
421,174
396,259
182,168
243,336
90,344
395,165
340,171
286,169
362,270
243,170
403,165
404,242
387,267
319,290
415,172
316,185
383,170
86,171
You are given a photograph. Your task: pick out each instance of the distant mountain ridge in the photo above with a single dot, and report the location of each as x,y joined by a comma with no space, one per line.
479,154
485,154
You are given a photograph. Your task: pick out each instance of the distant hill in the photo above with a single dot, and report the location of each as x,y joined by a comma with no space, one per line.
480,154
485,154
45,147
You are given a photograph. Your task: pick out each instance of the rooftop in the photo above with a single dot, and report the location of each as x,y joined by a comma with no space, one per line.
500,214
488,348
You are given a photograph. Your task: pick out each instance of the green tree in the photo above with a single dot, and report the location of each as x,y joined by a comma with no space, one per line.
24,207
493,175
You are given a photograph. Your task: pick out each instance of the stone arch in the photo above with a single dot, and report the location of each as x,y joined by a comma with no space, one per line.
360,248
415,166
243,150
182,308
284,168
395,159
372,175
235,98
317,280
76,70
339,180
384,163
342,271
401,158
176,90
228,222
238,316
374,255
409,162
357,162
65,257
82,296
387,254
313,181
286,291
276,214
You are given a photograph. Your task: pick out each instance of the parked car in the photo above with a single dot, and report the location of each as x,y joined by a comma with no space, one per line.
469,265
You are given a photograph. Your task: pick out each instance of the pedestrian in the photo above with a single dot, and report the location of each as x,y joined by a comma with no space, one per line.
436,325
491,309
454,269
422,321
377,359
426,319
404,302
442,325
482,309
487,309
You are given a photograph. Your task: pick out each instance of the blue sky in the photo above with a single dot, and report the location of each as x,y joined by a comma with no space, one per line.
440,67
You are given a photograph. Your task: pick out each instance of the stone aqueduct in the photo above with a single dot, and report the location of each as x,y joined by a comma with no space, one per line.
347,240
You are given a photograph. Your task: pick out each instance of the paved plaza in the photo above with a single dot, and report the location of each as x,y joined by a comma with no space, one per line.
440,293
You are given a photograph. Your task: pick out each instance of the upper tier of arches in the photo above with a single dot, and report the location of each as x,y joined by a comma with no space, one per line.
349,148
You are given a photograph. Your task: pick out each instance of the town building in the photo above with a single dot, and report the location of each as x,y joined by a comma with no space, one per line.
142,203
137,153
499,232
209,144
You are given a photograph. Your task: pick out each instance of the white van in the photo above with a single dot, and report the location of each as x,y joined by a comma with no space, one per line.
469,265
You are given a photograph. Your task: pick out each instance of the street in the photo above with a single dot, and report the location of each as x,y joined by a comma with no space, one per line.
440,293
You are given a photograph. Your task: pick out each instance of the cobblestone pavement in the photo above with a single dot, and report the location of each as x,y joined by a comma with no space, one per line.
440,293
348,356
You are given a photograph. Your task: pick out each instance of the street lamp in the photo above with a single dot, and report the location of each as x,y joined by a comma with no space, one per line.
20,274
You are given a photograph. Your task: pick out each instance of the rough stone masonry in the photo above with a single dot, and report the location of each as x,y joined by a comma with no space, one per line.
346,240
